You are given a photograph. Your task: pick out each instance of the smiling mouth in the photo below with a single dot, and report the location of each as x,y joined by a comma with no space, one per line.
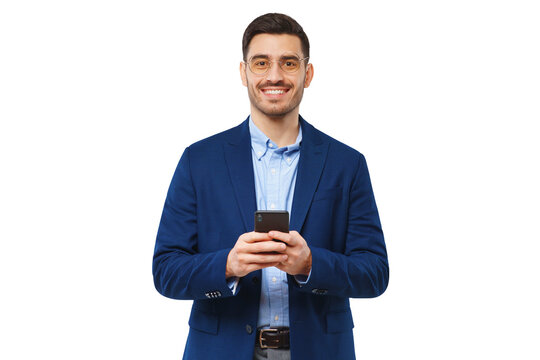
274,91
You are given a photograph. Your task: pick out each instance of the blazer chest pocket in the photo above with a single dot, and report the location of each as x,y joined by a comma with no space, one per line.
203,321
337,322
327,194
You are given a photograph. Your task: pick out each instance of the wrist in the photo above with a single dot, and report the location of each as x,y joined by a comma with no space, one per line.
228,271
307,269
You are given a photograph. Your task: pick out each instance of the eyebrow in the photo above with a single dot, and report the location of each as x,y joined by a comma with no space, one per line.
284,57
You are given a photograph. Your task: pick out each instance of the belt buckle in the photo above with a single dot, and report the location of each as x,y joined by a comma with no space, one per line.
261,339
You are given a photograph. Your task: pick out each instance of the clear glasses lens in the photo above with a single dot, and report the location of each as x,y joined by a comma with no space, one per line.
261,65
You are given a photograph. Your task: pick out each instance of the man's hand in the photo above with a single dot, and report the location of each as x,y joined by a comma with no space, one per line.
254,251
298,260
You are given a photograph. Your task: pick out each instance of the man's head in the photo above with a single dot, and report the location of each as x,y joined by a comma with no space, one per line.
275,68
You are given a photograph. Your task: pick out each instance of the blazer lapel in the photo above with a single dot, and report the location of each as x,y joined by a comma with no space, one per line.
313,151
239,161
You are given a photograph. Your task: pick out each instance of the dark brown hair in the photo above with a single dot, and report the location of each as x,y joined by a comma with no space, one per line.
274,23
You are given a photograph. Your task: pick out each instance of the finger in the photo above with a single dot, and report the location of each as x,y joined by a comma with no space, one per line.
256,237
254,267
266,246
278,235
263,258
295,239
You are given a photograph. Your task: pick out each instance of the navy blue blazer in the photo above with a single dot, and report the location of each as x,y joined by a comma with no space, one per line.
211,202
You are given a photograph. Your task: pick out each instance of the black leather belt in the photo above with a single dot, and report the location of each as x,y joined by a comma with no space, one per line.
273,338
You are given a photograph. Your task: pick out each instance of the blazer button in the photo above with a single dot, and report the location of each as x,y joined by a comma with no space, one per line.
255,280
249,330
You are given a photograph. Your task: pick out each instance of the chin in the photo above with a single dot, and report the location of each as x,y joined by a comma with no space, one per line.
276,112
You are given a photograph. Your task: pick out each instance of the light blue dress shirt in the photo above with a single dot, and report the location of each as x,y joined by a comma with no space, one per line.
275,176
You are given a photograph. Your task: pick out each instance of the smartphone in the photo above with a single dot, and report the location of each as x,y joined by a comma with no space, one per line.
267,220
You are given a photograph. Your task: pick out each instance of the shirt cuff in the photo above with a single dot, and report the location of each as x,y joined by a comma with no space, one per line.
232,283
302,279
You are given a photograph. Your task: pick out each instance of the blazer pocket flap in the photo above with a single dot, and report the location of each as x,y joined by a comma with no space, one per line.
339,321
204,321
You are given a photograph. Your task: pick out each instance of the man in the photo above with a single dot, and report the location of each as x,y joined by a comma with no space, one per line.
256,298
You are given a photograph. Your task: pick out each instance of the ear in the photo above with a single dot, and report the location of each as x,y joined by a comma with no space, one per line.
309,75
243,73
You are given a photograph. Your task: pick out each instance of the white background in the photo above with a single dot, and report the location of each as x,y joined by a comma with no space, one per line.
98,99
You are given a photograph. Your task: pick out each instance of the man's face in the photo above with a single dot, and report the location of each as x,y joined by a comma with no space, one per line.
276,93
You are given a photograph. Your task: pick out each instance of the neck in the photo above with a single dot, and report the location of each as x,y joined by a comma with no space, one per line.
283,130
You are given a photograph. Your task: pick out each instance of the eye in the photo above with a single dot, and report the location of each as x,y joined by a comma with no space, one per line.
290,64
259,65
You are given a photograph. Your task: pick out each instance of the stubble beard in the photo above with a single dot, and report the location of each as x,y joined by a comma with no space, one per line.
273,110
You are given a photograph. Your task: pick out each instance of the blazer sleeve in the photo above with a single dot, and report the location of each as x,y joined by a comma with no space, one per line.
179,270
362,270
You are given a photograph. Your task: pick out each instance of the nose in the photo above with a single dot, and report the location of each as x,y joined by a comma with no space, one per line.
274,74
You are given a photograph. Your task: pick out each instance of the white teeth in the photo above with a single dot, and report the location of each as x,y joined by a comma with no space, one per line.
274,92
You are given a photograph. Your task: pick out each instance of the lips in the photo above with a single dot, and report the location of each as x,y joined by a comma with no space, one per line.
274,91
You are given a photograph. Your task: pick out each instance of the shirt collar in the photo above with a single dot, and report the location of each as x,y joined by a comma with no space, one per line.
259,141
262,143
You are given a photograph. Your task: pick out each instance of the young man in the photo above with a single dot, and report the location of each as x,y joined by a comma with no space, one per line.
256,298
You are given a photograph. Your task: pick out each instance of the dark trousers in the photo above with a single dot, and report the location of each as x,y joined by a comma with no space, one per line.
271,354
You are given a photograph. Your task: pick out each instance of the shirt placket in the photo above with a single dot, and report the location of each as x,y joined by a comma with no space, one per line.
272,182
273,202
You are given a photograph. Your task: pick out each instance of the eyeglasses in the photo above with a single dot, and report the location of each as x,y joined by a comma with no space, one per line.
260,65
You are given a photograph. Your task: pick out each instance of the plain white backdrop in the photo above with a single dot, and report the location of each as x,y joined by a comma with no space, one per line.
98,99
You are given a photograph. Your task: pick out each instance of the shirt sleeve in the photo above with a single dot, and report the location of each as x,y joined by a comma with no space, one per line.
232,283
302,279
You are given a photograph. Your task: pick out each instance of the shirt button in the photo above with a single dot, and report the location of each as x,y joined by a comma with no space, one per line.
274,279
259,153
276,318
289,159
249,330
270,145
273,171
273,206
